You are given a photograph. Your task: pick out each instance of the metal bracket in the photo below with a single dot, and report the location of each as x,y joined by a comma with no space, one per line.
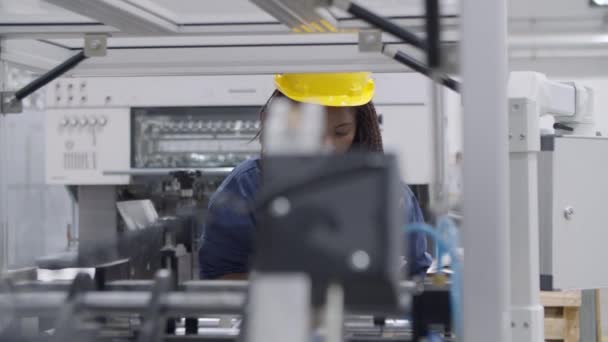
370,41
95,45
9,103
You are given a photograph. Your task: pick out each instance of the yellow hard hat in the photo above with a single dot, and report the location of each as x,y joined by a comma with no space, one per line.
328,89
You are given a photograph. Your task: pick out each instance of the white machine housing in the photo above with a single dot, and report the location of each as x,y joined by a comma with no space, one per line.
565,175
544,244
88,129
572,186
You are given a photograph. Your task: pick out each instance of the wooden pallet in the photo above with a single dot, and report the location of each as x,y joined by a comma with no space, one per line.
562,314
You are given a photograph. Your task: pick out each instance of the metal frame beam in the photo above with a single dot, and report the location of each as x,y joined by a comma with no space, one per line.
123,15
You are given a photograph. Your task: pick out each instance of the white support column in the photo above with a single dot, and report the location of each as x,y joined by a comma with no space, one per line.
524,135
3,165
485,237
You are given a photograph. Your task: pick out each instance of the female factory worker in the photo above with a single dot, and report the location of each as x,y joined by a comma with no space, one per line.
352,123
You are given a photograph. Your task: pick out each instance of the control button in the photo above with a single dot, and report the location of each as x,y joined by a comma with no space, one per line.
257,125
103,121
92,121
63,122
73,122
221,158
82,121
238,124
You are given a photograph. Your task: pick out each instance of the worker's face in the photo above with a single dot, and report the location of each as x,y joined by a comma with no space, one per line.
341,128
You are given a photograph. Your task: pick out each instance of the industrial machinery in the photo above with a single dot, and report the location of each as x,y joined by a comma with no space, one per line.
168,308
126,148
155,161
297,270
127,139
87,163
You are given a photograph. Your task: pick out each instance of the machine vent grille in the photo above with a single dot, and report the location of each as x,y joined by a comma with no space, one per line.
78,161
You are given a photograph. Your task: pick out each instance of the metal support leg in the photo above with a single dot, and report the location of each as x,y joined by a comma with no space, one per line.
191,325
527,314
589,322
268,298
485,237
334,314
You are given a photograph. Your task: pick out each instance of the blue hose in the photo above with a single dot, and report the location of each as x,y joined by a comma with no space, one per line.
446,238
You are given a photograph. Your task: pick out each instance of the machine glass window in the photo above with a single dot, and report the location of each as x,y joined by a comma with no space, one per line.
193,137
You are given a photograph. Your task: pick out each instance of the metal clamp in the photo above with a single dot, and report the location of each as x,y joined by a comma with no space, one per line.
95,45
370,41
9,103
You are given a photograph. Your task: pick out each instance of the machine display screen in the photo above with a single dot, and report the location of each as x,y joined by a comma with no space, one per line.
193,137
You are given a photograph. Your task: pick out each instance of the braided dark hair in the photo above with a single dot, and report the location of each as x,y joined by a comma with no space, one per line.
367,137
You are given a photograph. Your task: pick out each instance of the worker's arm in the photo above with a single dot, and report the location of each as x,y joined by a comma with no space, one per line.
418,260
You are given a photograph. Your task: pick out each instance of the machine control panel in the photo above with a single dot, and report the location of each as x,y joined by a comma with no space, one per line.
81,144
100,130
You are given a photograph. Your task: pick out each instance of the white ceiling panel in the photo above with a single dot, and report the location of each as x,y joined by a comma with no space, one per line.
36,11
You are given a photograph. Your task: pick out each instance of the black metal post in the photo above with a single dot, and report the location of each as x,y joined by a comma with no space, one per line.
433,32
417,66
